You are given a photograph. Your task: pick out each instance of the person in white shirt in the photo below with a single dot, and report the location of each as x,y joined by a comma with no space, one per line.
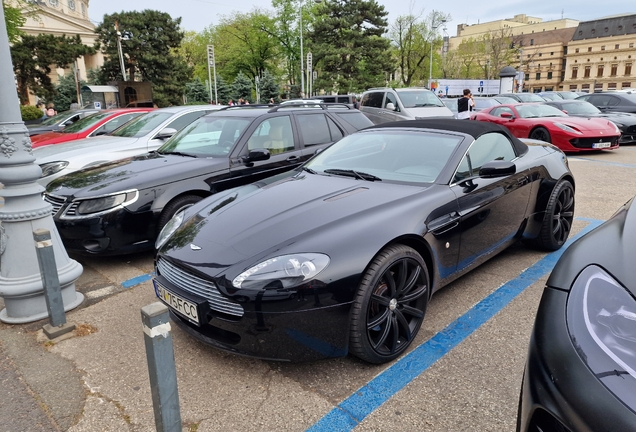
465,105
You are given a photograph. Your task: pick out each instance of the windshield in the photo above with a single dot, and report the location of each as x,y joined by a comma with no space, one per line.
207,137
56,119
86,123
142,125
530,97
569,95
534,111
399,156
419,98
581,108
485,103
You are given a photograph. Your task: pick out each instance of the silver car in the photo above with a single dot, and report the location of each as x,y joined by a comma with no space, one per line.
387,104
141,135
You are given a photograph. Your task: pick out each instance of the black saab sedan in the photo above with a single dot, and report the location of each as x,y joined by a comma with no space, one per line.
343,254
581,368
119,207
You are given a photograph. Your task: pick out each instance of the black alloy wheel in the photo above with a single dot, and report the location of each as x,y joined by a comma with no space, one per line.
390,305
559,214
541,134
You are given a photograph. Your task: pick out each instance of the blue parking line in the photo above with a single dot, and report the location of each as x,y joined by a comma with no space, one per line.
617,164
137,280
350,412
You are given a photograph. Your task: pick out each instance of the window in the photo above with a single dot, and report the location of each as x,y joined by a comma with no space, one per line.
552,53
527,77
549,76
275,134
114,123
585,87
626,85
314,129
613,69
390,98
71,4
603,48
588,69
373,99
573,87
628,69
487,148
538,77
531,41
631,44
617,46
576,50
589,49
540,54
611,86
83,9
53,3
185,120
599,71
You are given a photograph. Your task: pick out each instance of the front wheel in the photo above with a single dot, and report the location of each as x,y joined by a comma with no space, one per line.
390,305
174,207
541,134
559,214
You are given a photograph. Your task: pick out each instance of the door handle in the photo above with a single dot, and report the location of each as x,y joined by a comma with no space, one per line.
293,158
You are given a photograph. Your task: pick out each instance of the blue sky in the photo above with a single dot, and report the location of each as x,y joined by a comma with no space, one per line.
198,14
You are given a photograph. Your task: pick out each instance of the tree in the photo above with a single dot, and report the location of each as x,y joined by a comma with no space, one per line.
66,92
349,50
269,88
15,15
242,87
32,59
150,41
196,92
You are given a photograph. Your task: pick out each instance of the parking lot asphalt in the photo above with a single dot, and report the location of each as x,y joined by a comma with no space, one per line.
463,373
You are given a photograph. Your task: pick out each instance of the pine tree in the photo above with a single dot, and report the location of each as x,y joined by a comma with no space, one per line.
66,92
197,93
269,88
242,87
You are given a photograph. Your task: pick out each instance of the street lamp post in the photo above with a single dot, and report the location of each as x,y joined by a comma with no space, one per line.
302,56
24,211
434,27
121,53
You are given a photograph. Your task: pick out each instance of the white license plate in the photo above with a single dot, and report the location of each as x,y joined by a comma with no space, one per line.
601,145
184,307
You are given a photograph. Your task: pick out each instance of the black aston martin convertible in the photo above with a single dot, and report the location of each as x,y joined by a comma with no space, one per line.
343,254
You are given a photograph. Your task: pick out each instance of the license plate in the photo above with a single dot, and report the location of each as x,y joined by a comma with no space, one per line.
601,145
184,307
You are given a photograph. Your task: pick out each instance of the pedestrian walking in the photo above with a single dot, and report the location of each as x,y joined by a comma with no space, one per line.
465,105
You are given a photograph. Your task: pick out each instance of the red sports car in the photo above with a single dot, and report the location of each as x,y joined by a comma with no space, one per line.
546,123
101,123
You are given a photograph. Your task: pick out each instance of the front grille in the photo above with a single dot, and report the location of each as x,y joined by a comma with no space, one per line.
589,142
56,201
198,286
72,209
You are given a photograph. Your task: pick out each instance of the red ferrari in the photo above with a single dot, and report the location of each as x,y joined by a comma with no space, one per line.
546,123
100,123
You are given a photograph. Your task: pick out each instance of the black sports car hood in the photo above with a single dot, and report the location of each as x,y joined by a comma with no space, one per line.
139,172
611,246
264,218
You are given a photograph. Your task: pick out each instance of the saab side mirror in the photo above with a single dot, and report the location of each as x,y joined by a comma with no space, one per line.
390,106
497,168
256,155
166,133
507,115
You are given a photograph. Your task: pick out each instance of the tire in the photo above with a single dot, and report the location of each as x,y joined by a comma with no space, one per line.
390,305
559,214
541,134
174,207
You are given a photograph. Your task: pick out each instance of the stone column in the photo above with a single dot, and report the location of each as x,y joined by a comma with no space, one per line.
23,212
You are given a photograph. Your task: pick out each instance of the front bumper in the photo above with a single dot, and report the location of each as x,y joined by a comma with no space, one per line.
559,392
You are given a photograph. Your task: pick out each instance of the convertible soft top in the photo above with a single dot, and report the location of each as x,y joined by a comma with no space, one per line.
472,128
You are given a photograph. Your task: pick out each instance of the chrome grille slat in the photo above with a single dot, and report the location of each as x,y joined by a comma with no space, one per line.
198,286
72,209
56,201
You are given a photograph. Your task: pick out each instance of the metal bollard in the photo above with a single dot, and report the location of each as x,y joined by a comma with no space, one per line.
161,367
51,282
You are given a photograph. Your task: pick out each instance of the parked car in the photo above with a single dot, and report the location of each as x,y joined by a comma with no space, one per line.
383,105
523,97
625,122
346,99
483,102
301,102
343,254
612,101
504,99
550,96
141,135
59,121
546,123
121,206
451,104
580,373
101,123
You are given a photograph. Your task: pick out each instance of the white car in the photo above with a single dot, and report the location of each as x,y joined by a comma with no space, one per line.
141,135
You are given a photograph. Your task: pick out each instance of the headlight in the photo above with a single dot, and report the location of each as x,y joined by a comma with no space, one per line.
169,229
618,127
51,168
101,205
282,272
567,128
601,316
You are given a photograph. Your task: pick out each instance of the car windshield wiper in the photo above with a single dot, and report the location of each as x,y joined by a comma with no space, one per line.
309,170
177,153
353,173
427,104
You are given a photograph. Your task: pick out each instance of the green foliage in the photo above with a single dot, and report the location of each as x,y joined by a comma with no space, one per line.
349,50
269,88
65,92
29,112
32,59
14,20
93,77
196,92
223,90
242,87
152,38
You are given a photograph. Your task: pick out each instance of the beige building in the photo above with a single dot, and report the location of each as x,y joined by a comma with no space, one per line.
70,18
601,55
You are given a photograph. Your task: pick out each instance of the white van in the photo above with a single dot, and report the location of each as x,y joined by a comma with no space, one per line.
387,104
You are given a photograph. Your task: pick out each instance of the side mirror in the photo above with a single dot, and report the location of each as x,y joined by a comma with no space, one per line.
166,133
564,111
390,106
506,115
497,168
256,155
100,133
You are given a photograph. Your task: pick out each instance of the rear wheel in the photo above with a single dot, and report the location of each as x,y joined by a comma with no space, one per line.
541,134
559,214
174,207
390,305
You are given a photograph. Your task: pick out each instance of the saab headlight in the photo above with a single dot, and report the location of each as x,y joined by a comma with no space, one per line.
567,128
285,271
601,317
51,168
91,207
169,229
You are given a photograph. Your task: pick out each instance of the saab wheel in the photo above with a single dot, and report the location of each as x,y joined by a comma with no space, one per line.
541,134
174,207
558,218
390,305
